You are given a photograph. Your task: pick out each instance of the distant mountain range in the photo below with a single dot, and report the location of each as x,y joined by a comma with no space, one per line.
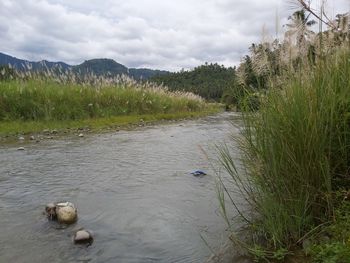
98,67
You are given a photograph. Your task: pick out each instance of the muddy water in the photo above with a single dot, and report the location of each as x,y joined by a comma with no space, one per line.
132,189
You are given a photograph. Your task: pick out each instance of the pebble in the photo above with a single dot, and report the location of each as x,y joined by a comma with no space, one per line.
20,149
82,237
32,138
21,138
50,211
81,135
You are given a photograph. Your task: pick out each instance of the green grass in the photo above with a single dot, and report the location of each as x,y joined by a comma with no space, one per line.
295,156
34,104
44,99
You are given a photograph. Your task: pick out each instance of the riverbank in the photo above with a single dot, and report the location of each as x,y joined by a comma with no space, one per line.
11,130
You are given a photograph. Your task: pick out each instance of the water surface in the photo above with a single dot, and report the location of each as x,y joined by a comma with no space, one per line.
132,189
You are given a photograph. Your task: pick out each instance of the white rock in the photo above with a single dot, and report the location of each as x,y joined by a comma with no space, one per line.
20,149
66,213
82,236
21,138
81,135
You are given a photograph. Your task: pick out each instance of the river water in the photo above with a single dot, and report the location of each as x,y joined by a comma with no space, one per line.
133,190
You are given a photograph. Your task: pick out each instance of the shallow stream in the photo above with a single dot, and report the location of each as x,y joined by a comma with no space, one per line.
133,190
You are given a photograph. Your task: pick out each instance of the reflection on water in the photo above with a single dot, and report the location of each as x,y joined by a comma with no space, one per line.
132,189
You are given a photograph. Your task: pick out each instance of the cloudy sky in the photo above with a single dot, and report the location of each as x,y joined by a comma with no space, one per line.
163,34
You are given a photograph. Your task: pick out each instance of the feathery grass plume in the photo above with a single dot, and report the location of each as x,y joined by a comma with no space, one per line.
64,95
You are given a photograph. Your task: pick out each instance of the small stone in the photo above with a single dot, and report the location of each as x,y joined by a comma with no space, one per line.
82,236
50,211
20,149
32,138
54,132
21,138
81,135
46,131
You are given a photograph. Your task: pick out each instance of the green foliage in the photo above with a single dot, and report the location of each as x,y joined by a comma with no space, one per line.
336,247
210,81
335,252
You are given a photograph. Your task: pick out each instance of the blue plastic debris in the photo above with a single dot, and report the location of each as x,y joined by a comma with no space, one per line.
198,173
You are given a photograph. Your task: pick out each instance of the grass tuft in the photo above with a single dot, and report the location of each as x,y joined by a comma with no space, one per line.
295,156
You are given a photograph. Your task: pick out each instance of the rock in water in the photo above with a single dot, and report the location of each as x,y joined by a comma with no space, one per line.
66,213
50,211
82,236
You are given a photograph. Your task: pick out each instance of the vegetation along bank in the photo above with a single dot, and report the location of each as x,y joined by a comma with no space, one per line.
294,168
33,102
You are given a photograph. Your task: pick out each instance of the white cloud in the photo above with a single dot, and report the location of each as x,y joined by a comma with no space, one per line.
161,34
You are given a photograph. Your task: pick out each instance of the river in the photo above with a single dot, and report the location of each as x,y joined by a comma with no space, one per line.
133,190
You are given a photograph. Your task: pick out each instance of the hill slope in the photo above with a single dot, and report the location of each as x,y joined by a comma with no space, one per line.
21,64
99,67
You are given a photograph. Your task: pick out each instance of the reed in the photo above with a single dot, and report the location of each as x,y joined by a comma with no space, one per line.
61,97
295,155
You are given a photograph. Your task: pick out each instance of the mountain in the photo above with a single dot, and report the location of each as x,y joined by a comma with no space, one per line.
21,64
99,67
109,67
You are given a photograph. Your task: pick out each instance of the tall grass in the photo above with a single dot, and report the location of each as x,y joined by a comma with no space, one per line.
49,98
295,154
